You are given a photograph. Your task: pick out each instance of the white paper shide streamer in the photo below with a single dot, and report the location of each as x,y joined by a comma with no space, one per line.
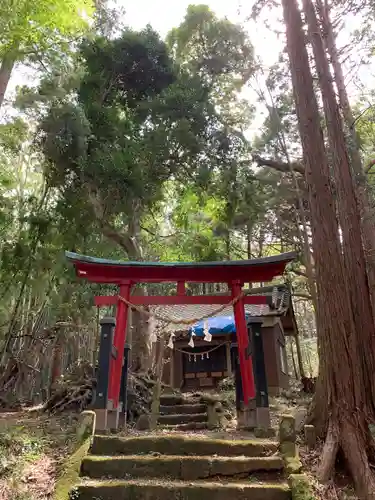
170,342
152,330
191,341
207,335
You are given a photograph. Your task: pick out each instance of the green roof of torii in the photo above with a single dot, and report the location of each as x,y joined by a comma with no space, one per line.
110,271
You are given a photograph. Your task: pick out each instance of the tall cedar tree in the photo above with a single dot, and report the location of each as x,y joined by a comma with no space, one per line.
348,213
361,185
342,365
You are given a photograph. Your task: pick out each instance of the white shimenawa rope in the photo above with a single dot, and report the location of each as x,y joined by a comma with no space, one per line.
165,320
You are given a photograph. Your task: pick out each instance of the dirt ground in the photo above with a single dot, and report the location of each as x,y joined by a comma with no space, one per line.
32,449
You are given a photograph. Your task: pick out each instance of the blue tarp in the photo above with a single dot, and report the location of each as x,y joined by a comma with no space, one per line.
216,326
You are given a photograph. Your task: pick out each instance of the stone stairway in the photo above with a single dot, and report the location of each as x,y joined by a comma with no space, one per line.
183,414
181,467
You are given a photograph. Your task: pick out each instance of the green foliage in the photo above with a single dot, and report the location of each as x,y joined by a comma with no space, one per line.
140,118
210,46
301,487
26,25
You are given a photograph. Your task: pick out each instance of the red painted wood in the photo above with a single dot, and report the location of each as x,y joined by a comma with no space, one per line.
181,288
115,368
246,365
168,300
99,273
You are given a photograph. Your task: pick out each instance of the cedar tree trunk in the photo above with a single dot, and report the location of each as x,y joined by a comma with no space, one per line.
361,186
340,352
7,64
348,212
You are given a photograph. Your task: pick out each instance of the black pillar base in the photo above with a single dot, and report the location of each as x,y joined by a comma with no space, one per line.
256,414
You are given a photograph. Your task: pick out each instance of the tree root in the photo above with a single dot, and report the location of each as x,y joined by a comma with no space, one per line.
329,454
75,392
352,439
76,398
355,452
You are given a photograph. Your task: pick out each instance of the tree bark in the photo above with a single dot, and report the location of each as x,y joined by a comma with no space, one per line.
349,216
299,356
360,185
6,68
128,241
56,360
156,393
342,377
296,375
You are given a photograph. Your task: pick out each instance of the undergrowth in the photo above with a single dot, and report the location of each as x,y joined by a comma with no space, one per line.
30,455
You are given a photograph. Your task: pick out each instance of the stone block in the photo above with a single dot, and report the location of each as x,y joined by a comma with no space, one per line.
86,426
143,423
287,429
288,449
263,432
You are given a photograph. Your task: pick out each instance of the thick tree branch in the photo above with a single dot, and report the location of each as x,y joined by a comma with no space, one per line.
124,240
279,165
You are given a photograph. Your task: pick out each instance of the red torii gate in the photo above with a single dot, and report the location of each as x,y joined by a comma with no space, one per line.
126,274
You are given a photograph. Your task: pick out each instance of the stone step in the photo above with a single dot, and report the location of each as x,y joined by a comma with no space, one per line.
179,444
186,468
183,409
182,419
171,399
190,426
177,490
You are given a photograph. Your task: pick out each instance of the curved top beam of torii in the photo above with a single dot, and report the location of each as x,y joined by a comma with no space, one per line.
100,270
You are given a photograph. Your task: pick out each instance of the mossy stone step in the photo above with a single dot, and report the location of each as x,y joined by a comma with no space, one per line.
176,467
172,399
182,419
190,426
178,444
183,409
177,490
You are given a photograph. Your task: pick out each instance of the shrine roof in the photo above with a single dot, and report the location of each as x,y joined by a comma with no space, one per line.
101,270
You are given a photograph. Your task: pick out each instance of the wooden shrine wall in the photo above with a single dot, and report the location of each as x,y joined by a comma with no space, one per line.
182,377
274,348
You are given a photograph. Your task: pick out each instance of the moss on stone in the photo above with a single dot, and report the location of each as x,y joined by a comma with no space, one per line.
144,490
142,466
86,426
180,445
292,465
213,415
171,399
69,476
301,487
208,398
288,449
263,432
71,471
176,467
